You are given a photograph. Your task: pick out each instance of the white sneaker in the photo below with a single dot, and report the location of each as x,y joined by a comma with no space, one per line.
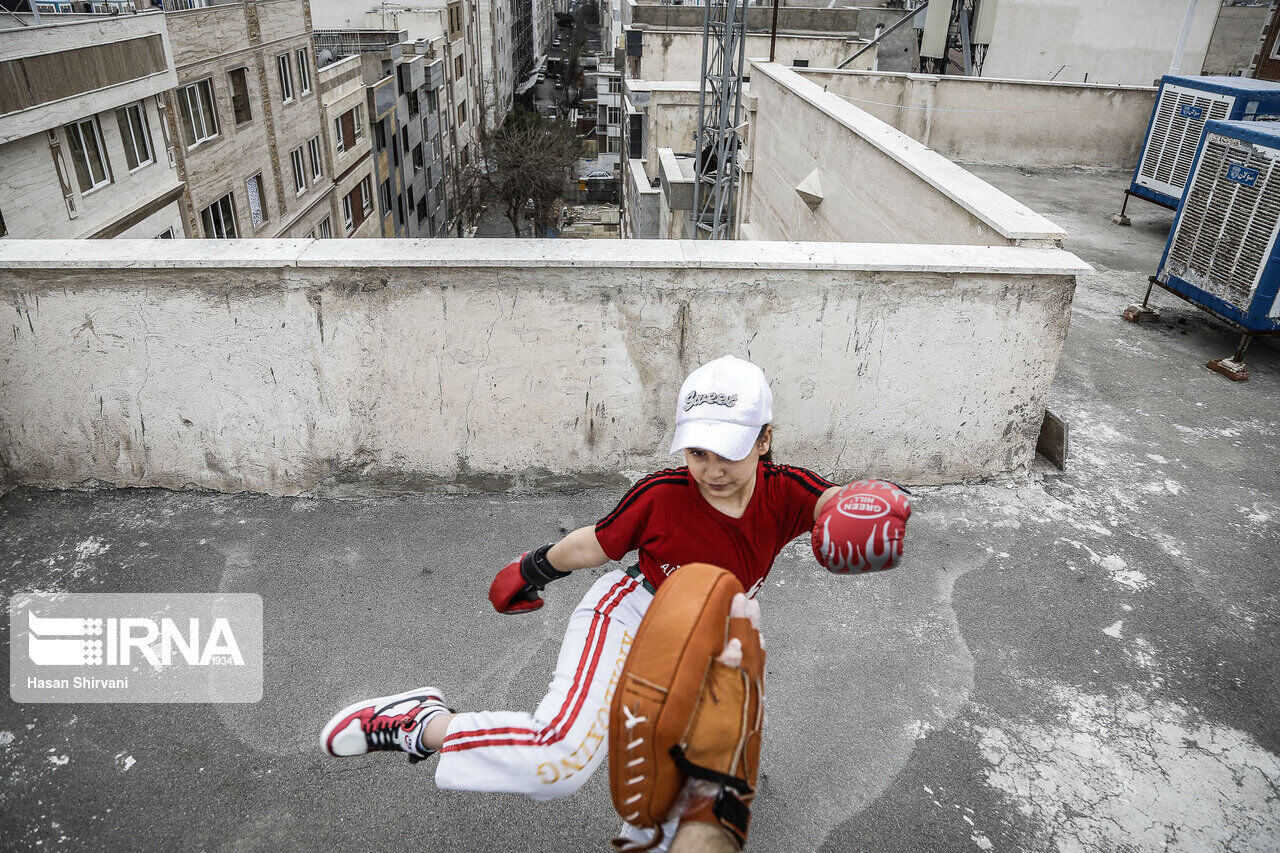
385,723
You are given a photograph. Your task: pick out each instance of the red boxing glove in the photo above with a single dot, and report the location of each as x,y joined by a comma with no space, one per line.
511,593
861,527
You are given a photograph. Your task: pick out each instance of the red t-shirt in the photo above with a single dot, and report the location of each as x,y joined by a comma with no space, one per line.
670,522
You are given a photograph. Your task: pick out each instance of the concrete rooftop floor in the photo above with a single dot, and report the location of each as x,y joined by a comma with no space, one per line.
1069,661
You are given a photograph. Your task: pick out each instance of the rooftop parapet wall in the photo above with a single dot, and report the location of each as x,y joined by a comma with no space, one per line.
353,367
877,183
1004,122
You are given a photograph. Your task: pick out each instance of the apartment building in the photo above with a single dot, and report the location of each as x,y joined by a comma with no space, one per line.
405,100
247,120
342,94
85,148
609,116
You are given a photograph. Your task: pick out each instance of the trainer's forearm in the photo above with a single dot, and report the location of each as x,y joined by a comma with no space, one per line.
579,550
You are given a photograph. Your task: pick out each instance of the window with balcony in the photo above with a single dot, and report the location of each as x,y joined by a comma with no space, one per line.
304,71
199,112
89,154
285,70
219,219
299,170
135,134
239,79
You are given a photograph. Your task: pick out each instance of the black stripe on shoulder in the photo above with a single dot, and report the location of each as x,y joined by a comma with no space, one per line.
667,476
810,481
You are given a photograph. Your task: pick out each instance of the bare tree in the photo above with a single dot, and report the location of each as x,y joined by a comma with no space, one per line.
528,161
468,185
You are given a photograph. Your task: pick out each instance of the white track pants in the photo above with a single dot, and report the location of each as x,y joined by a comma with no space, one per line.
553,751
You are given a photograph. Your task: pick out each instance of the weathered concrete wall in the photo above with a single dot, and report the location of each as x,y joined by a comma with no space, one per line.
1095,41
1235,40
1004,122
640,203
877,184
677,54
671,116
353,366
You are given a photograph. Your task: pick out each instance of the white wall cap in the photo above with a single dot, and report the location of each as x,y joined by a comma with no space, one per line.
534,254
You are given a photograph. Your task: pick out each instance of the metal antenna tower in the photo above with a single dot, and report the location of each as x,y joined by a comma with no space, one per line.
724,48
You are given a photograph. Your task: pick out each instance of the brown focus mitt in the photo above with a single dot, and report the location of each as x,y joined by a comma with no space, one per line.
678,713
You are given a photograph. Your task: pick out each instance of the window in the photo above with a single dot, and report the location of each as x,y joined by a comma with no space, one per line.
435,146
4,231
404,138
457,67
433,104
413,104
89,154
800,63
135,135
462,113
257,206
357,204
238,77
615,85
357,121
166,234
219,219
384,192
340,138
614,146
615,115
409,195
304,71
325,229
286,77
455,20
380,134
313,153
299,171
417,158
199,113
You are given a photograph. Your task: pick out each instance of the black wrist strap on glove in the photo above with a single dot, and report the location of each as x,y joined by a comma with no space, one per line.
536,569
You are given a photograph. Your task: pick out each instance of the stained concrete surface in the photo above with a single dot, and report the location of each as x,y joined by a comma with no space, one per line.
1069,661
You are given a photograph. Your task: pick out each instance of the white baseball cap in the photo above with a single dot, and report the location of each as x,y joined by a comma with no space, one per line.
721,408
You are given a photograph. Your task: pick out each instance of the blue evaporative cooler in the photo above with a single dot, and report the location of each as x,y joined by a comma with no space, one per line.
1221,254
1183,106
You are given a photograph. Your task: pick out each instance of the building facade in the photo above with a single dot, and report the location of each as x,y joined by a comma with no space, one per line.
342,94
247,121
85,149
